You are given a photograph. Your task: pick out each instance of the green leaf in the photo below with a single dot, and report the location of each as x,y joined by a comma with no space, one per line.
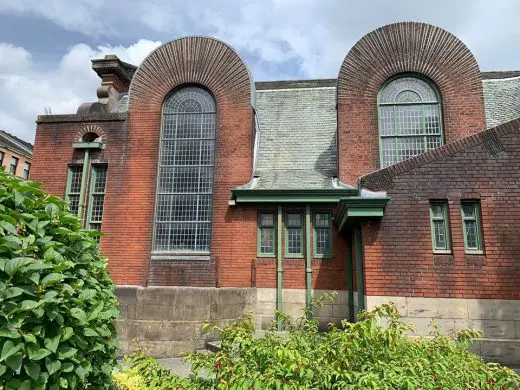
87,294
35,277
29,305
52,278
80,372
52,343
52,365
90,332
8,227
66,333
15,362
12,292
18,198
51,209
30,338
3,369
39,354
9,349
15,264
76,312
32,369
67,367
66,352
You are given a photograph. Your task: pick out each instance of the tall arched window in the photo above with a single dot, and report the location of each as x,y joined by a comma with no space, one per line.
409,119
185,181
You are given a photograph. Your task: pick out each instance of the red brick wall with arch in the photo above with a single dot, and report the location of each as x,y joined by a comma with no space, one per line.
395,49
214,65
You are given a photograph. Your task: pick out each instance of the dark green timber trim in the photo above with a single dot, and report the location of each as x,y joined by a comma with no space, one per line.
352,209
308,259
291,196
350,279
88,145
359,268
82,193
279,265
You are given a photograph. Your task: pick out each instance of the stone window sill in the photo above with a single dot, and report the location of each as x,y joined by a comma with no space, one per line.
181,256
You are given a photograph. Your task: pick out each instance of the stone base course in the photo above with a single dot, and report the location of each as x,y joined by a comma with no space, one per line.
499,321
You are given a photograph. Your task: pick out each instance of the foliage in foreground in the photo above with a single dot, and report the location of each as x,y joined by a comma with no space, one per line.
360,355
57,306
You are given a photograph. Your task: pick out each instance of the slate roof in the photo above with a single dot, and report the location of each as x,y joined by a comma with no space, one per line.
297,125
11,142
501,99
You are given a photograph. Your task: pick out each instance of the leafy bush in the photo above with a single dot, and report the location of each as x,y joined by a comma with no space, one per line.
360,355
57,306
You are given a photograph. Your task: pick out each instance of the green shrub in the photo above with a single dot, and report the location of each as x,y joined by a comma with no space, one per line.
360,355
57,306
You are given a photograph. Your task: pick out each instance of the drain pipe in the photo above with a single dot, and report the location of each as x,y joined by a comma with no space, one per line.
81,205
279,266
308,260
350,279
359,268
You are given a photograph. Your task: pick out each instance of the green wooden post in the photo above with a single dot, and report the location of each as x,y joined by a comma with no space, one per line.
279,265
359,268
84,177
308,259
350,279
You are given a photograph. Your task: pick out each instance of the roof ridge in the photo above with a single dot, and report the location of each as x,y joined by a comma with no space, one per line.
490,136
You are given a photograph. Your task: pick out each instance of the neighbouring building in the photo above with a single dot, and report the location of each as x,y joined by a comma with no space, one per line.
397,181
15,155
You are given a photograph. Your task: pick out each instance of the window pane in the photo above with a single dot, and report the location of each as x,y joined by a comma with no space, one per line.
294,220
408,120
322,241
267,240
438,210
469,210
74,204
322,220
185,182
471,234
75,182
267,219
97,208
101,178
440,235
294,244
386,120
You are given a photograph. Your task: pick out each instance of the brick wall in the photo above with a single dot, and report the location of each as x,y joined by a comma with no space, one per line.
398,250
392,50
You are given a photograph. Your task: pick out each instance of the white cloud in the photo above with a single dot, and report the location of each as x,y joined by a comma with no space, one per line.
26,90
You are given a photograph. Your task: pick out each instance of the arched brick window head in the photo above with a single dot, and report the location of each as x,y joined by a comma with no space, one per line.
185,180
90,137
409,118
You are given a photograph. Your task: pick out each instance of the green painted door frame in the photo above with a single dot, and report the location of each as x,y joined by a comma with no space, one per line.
279,266
359,267
350,279
84,178
308,260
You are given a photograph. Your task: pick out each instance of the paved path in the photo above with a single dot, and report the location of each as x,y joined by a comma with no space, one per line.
177,366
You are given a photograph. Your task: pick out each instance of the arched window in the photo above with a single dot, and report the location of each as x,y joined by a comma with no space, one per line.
185,181
409,119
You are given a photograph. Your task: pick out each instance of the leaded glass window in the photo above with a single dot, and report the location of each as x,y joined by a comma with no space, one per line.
440,226
185,181
97,197
266,234
322,235
409,119
471,226
75,176
294,235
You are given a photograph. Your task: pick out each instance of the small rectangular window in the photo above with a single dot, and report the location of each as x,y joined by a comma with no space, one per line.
322,235
440,226
74,178
26,170
13,166
471,226
266,234
294,235
2,154
96,197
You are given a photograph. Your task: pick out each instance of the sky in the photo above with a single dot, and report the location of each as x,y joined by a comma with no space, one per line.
46,45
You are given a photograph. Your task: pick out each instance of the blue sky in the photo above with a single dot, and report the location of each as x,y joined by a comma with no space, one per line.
46,45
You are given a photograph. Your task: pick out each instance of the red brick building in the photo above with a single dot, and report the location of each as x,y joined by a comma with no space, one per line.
397,181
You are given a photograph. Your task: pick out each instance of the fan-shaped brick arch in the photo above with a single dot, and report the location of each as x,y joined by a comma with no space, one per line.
198,60
398,49
213,65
